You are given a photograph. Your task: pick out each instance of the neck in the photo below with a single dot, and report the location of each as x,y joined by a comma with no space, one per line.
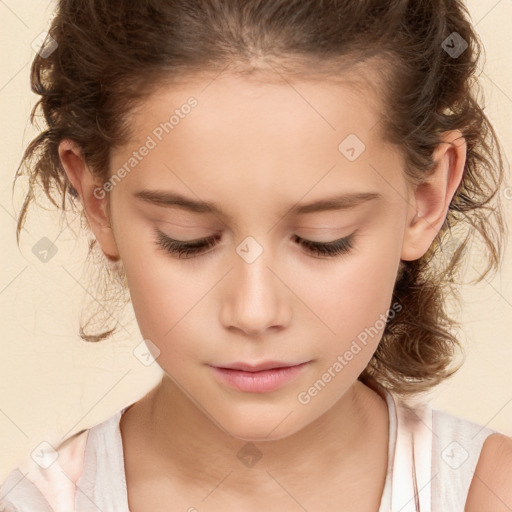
184,443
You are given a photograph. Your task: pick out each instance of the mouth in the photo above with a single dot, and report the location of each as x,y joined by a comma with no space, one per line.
258,378
249,367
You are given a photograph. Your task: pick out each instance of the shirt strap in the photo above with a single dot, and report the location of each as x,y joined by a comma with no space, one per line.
412,466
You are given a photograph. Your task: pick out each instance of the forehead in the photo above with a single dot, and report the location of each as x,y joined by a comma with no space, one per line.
260,136
345,86
351,102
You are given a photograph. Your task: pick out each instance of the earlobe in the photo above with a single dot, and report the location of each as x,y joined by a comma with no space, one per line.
95,205
430,201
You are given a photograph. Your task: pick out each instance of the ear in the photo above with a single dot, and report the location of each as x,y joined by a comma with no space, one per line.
93,198
430,200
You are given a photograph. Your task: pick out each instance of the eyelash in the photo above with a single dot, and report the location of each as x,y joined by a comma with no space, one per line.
198,247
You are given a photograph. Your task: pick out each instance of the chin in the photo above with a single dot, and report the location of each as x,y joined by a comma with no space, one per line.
258,428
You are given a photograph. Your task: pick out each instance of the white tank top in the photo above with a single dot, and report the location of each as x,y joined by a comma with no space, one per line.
431,459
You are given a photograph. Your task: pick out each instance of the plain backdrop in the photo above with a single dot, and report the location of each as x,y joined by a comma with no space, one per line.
52,384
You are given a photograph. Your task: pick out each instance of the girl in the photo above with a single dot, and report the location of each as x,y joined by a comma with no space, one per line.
286,188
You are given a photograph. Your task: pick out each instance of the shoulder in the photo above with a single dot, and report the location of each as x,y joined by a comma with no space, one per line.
90,460
460,437
473,465
491,486
46,480
446,451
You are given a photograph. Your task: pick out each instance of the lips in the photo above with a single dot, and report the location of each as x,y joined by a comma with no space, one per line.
263,377
248,367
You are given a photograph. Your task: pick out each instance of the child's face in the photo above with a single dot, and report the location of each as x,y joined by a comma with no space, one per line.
256,151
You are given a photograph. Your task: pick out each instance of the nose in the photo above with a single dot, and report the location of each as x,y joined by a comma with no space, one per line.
255,298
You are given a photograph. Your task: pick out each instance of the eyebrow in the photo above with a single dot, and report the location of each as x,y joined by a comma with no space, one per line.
173,199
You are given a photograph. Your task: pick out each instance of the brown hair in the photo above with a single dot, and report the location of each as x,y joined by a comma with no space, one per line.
111,55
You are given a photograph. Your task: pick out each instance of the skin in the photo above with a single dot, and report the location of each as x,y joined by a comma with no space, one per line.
491,488
256,149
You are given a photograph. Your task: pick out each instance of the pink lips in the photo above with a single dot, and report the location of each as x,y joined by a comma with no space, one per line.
264,377
266,365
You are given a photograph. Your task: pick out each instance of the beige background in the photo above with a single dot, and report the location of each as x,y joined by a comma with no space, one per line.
52,384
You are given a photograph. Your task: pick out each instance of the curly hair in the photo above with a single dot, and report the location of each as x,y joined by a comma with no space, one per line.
107,57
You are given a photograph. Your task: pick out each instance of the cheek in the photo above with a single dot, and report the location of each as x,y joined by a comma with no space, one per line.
162,293
355,298
167,309
162,298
